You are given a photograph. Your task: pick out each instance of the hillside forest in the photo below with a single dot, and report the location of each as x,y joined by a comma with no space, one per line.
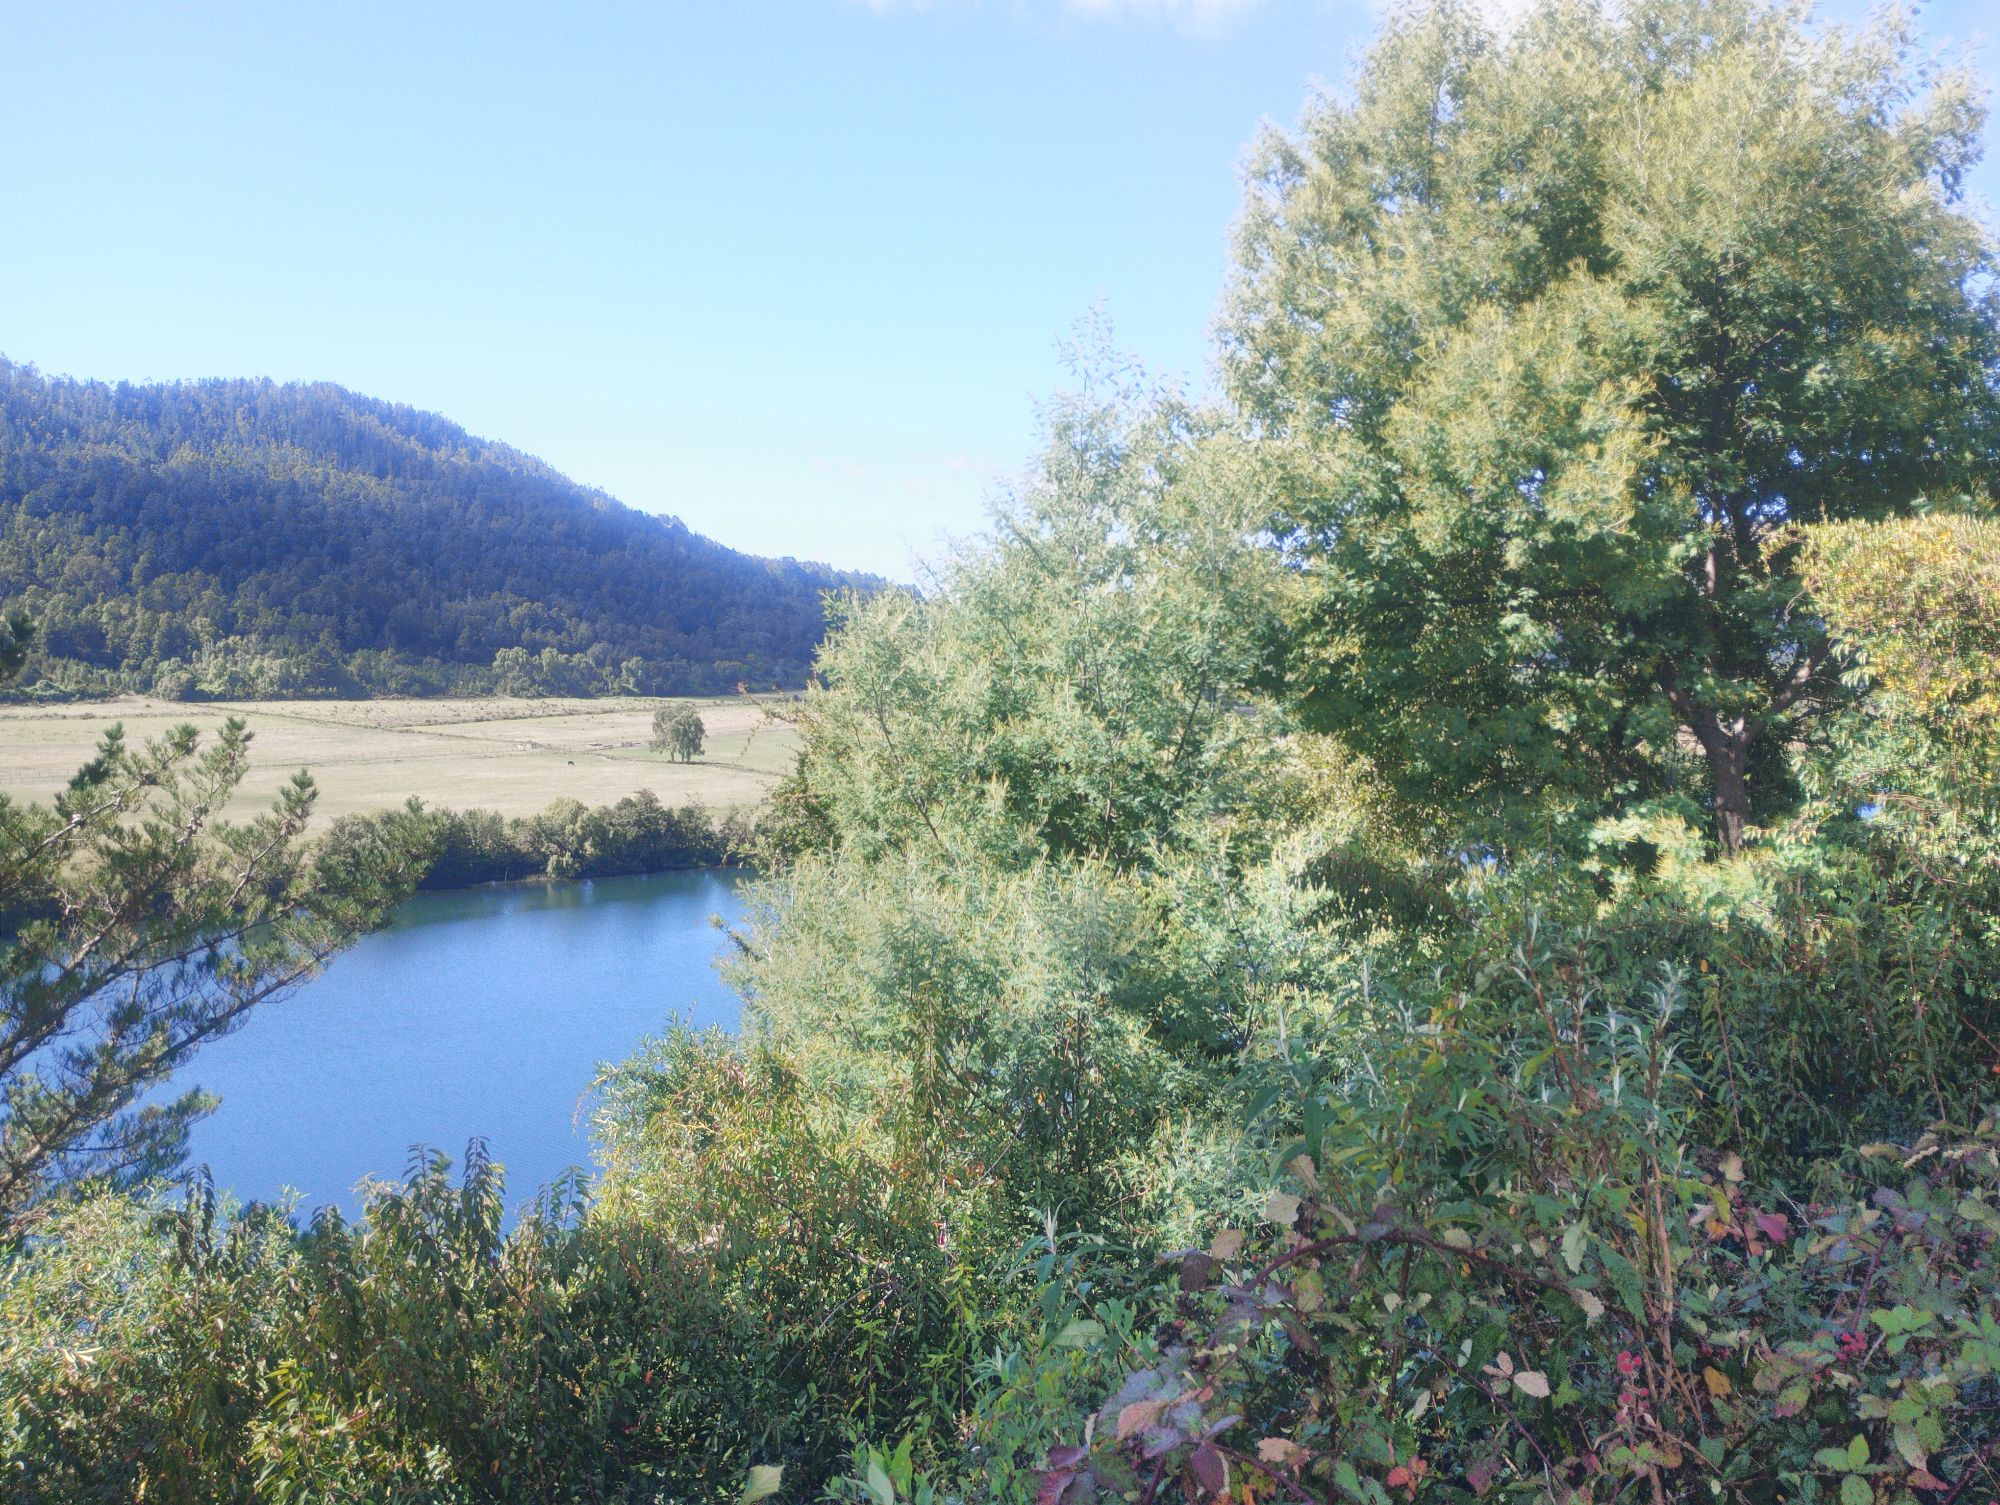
1426,929
242,539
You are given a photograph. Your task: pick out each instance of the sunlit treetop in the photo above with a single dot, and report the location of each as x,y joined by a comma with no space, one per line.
1555,331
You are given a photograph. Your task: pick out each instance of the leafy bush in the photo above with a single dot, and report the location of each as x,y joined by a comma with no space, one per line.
638,834
1495,1264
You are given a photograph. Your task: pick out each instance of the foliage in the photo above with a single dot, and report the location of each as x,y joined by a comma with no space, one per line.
139,927
847,1305
678,732
1016,945
17,636
1495,1262
1916,604
1070,690
1549,334
637,834
1264,1017
244,540
745,1295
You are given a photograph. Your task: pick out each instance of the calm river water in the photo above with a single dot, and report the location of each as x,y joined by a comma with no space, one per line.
485,1011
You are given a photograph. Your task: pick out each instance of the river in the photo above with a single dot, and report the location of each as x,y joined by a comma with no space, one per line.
483,1011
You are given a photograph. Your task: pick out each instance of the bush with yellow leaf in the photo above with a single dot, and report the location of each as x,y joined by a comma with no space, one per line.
1915,604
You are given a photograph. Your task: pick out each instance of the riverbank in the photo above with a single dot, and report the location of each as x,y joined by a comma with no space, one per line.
633,837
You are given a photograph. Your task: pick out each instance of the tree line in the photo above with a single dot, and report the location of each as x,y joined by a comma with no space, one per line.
637,834
241,539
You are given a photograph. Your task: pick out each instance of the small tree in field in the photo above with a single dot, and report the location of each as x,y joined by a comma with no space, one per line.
678,732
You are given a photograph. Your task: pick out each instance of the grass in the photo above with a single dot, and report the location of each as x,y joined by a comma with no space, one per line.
514,756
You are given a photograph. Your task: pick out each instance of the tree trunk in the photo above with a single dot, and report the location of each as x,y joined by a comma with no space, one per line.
1727,754
1727,749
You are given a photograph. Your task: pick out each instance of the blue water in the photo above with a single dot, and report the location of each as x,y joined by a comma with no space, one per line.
485,1011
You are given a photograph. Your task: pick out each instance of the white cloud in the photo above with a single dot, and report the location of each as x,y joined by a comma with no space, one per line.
1198,15
1187,15
1503,15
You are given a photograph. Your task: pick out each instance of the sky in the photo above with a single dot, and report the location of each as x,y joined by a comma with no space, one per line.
796,271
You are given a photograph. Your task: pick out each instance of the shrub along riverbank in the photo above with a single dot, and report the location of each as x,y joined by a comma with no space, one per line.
637,834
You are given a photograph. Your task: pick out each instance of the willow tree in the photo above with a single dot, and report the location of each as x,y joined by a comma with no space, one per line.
1555,334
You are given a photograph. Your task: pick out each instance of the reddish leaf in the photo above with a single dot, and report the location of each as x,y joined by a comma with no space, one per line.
1067,1456
1138,1416
1482,1474
1775,1226
1054,1483
1194,1271
1211,1469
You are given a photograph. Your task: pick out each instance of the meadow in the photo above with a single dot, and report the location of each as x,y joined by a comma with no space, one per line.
505,754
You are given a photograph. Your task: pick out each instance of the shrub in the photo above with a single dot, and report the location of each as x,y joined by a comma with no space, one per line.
1497,1265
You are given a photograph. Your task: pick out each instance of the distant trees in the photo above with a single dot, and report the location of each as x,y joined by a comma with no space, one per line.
638,834
233,539
678,732
138,926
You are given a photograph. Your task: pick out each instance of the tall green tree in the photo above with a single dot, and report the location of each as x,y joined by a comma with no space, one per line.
1013,940
136,925
1554,335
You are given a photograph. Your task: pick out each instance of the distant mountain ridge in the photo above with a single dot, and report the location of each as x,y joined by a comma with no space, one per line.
242,537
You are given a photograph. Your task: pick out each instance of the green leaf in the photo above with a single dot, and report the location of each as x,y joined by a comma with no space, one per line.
1260,1104
1975,1211
1079,1332
1854,1490
1624,1280
765,1480
1574,1238
1904,1435
879,1488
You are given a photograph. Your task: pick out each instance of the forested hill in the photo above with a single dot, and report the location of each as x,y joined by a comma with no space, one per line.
237,538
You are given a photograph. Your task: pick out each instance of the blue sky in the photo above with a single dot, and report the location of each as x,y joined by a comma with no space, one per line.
795,270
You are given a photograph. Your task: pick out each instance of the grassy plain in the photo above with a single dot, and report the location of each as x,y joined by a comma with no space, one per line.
514,756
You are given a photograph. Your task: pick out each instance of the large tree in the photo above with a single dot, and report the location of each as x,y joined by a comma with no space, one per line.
1554,334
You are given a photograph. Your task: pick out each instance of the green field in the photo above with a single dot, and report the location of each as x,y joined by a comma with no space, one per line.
514,756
